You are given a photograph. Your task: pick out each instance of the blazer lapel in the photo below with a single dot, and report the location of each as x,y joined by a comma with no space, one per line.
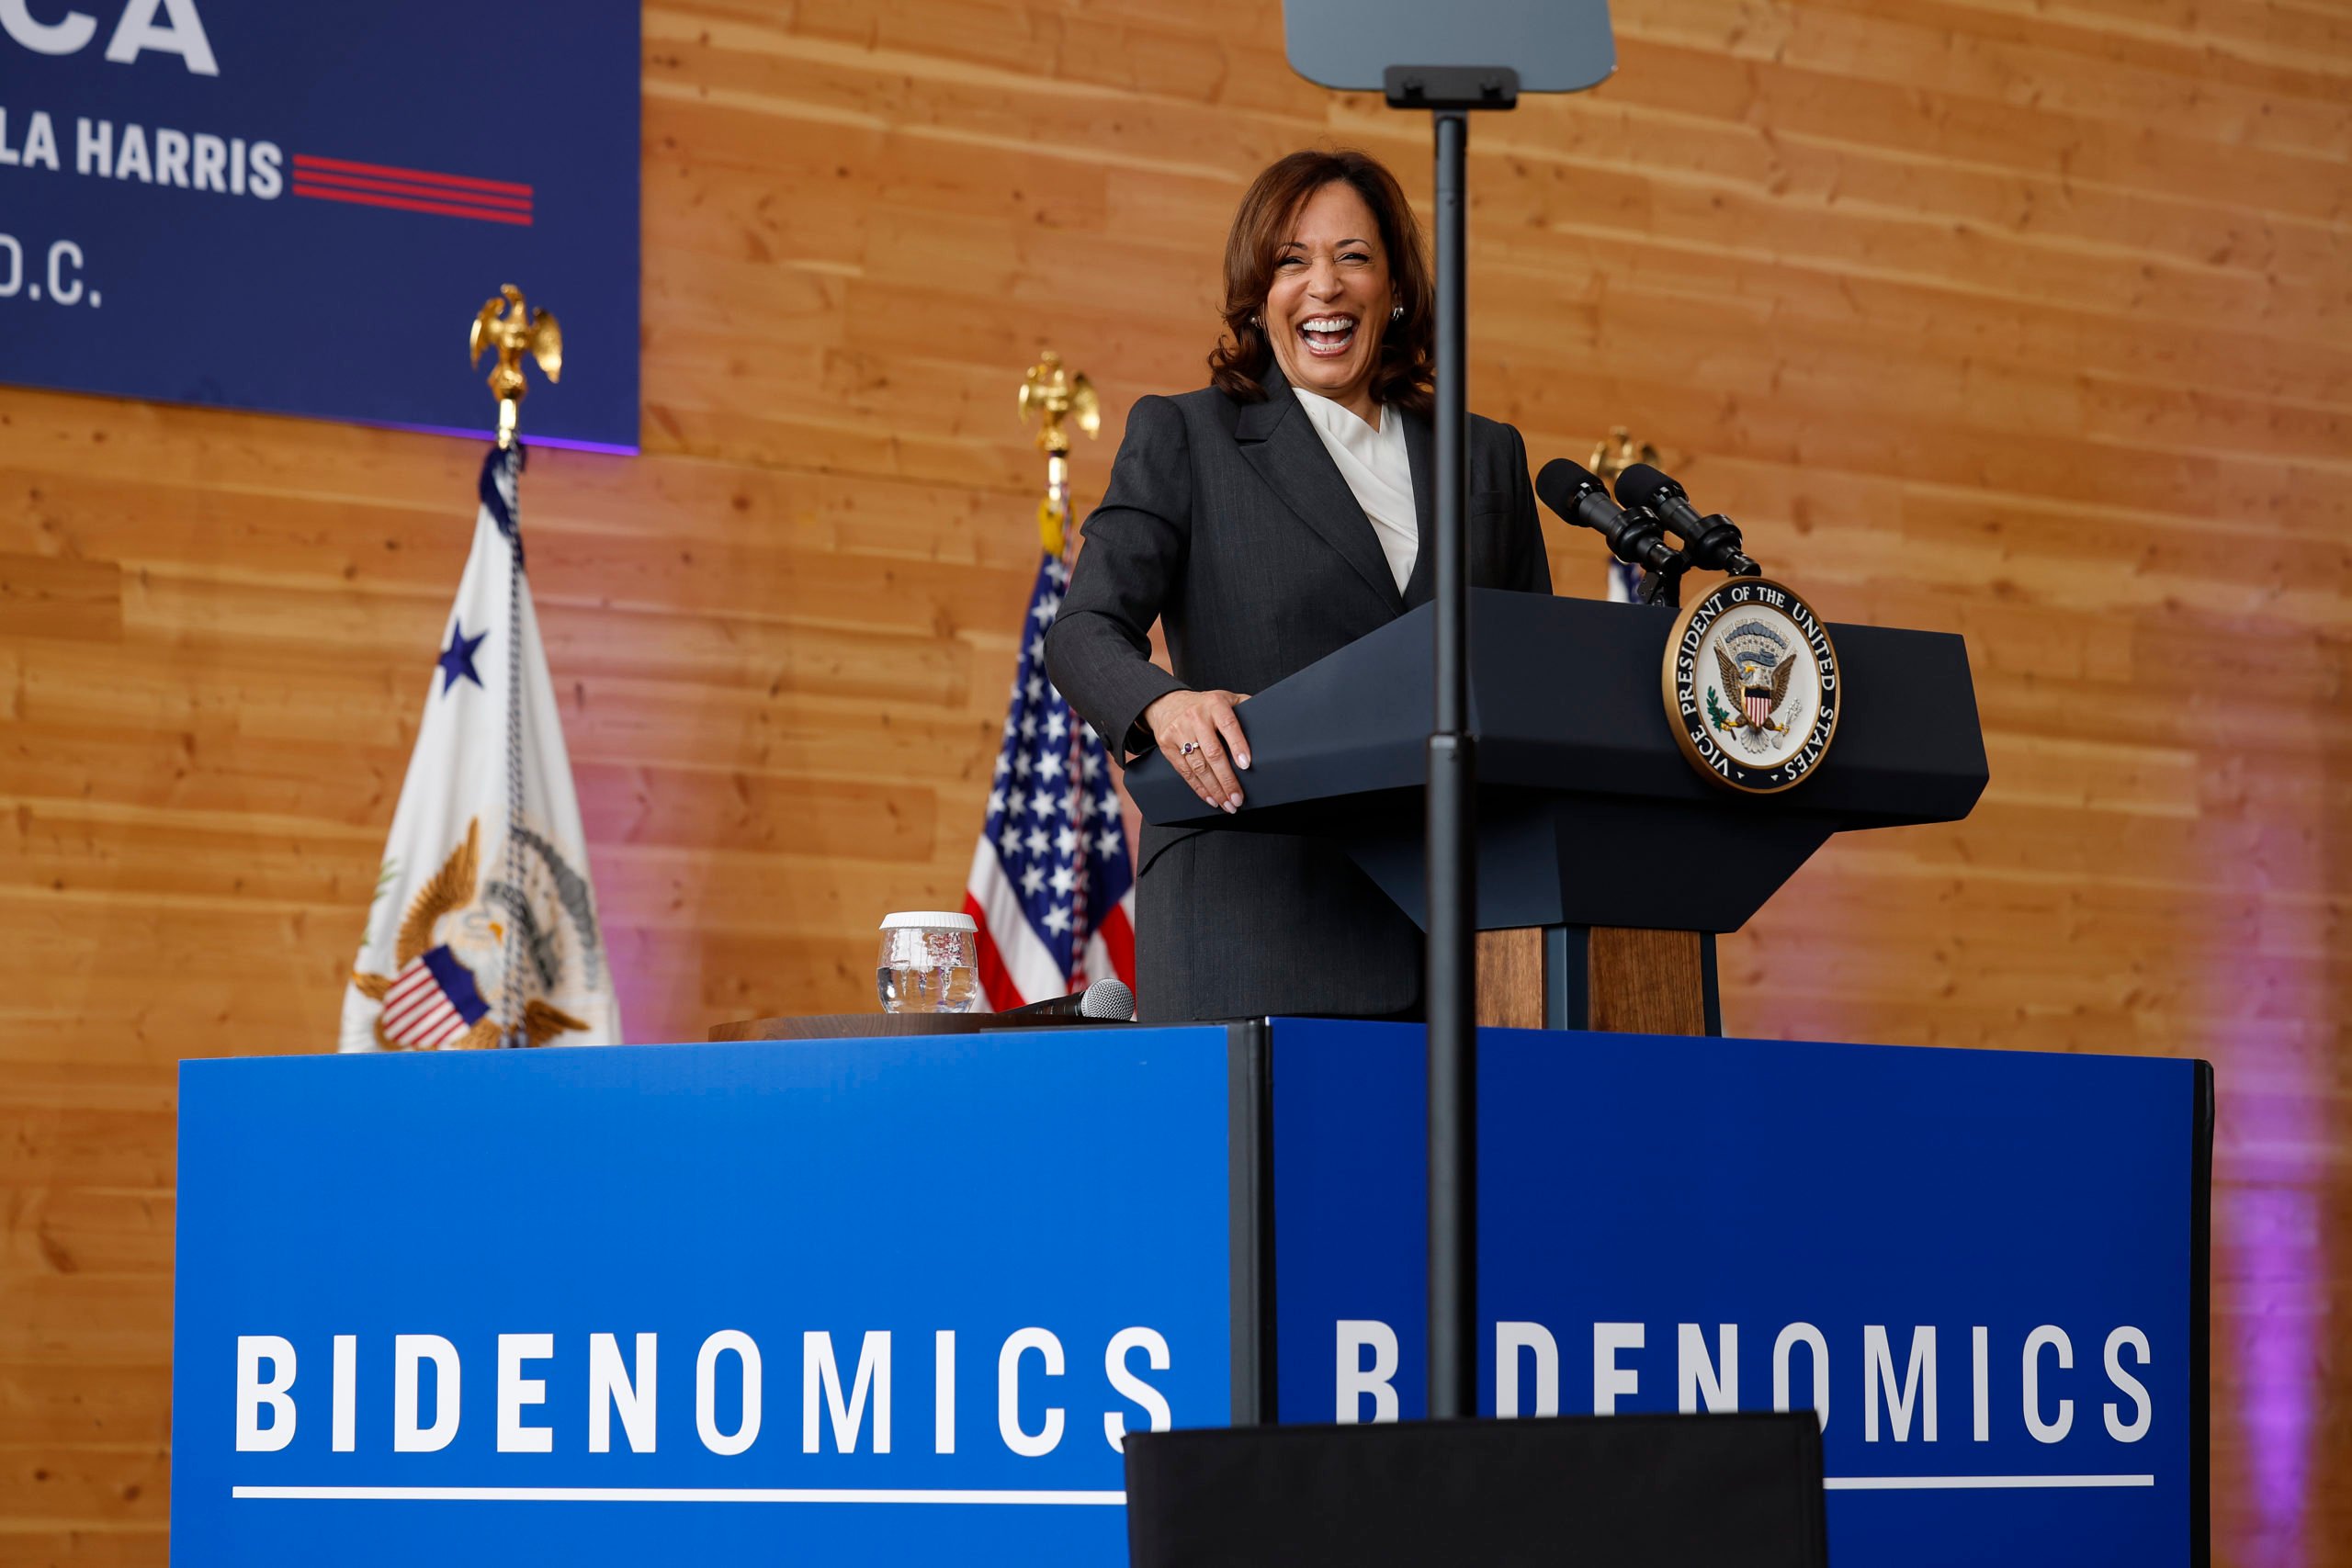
1281,444
1420,448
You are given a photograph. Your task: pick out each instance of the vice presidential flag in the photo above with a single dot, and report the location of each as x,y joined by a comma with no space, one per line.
1051,886
483,930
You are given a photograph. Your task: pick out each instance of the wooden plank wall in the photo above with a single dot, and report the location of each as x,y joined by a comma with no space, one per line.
2025,319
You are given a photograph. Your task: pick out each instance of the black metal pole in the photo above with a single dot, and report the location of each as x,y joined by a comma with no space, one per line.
1451,990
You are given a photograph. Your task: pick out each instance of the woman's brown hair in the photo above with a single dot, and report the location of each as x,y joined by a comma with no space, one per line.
1262,225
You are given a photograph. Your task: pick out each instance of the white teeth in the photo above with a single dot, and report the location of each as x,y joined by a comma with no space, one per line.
1328,324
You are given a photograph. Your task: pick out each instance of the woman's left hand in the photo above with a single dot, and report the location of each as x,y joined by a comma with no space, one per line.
1196,731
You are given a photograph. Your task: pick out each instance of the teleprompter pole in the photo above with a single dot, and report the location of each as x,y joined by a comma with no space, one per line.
1452,873
1451,989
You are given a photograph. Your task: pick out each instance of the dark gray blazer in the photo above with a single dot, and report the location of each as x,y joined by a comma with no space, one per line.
1229,523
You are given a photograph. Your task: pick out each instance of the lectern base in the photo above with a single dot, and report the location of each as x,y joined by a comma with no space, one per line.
1621,979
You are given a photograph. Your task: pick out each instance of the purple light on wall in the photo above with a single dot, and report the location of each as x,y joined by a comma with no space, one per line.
604,448
2262,950
2273,1280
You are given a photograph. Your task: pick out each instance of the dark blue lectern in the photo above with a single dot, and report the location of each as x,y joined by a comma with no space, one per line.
1591,825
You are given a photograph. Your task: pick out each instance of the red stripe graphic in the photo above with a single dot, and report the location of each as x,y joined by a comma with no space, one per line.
305,162
411,188
405,204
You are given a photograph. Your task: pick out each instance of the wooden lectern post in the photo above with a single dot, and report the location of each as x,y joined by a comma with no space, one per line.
1621,979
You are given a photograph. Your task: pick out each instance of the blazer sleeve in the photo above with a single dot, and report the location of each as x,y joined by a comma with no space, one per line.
1098,650
1530,568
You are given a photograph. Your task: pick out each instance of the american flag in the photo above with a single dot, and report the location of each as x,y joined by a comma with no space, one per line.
1052,886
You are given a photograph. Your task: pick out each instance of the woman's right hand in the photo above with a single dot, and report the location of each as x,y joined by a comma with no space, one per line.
1206,723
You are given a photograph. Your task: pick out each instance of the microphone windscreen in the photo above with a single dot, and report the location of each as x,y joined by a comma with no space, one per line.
1107,998
1640,484
1559,484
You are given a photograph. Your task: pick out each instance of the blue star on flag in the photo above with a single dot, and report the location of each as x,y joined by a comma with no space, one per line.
456,660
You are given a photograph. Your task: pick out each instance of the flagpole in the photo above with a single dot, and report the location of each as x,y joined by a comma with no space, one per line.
1056,395
511,330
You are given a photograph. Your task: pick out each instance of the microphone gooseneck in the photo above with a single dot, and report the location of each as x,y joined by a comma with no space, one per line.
1711,542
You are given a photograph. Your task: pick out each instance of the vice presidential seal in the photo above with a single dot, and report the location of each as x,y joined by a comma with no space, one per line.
1751,686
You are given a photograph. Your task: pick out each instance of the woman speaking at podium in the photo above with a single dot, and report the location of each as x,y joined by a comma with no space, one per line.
1269,519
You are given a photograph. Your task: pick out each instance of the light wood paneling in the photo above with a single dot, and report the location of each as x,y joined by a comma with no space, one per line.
2026,320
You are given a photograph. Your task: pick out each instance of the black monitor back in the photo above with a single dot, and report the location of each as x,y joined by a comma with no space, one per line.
1556,46
1593,1492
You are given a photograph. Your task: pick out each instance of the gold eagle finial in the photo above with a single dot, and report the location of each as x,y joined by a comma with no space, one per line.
1619,452
1053,394
517,332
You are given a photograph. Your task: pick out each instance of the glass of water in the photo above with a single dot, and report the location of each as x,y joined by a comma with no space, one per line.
930,961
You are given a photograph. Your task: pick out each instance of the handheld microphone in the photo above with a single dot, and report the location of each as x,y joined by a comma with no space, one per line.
1714,542
1635,537
1107,1000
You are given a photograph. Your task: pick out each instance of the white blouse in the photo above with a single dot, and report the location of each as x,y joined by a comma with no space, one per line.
1378,472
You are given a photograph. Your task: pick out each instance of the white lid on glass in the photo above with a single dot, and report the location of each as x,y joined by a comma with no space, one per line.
940,919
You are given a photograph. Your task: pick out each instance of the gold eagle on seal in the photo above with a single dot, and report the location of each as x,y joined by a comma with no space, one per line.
433,1000
1761,689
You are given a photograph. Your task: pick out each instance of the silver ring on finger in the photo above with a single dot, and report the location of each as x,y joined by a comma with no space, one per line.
1187,749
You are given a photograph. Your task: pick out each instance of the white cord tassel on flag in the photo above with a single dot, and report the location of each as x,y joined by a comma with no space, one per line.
483,930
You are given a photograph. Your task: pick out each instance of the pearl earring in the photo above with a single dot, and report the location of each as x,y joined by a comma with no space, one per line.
1398,314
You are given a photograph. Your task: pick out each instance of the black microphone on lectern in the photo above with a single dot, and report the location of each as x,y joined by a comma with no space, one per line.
1107,1000
1635,537
1714,542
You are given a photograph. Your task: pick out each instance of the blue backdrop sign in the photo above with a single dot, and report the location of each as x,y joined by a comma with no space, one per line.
849,1301
296,207
899,1301
1978,1266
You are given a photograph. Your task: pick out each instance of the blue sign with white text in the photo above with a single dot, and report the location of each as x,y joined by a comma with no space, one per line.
892,1301
296,208
1975,1264
863,1301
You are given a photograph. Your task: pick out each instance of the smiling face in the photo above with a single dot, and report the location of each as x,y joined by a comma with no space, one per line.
1331,299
